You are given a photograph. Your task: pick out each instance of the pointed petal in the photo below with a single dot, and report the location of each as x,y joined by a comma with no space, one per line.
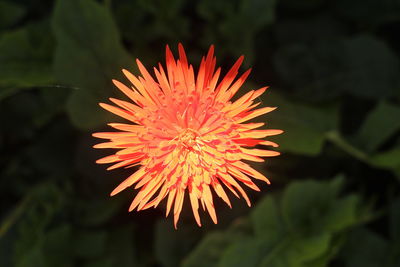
209,203
255,113
195,207
260,133
250,171
221,193
171,197
129,181
260,152
120,112
178,205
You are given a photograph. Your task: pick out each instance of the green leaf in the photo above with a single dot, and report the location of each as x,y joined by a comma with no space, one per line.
214,10
25,59
265,9
325,69
297,252
57,246
88,55
230,31
45,200
10,219
303,203
381,123
119,249
267,219
89,244
388,159
315,206
365,249
311,247
315,220
208,251
10,13
247,252
153,21
172,245
167,19
325,258
84,111
305,126
342,214
32,257
96,211
283,248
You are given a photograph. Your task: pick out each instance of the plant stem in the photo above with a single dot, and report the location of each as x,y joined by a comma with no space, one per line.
339,141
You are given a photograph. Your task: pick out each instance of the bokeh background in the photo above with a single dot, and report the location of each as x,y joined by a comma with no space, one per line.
333,71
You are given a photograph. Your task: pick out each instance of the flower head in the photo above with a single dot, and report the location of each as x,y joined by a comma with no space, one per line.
187,135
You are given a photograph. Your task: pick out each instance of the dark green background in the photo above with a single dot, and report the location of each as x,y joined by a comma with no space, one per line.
333,70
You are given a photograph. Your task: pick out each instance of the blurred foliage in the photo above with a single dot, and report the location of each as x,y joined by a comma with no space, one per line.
334,72
25,53
304,226
235,24
329,68
306,122
87,37
368,248
10,14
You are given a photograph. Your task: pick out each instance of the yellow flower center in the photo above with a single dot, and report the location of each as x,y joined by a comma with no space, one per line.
188,138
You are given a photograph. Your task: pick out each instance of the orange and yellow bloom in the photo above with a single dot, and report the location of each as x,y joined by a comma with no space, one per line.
187,135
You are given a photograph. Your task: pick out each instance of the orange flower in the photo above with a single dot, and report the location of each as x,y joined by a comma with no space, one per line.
187,135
